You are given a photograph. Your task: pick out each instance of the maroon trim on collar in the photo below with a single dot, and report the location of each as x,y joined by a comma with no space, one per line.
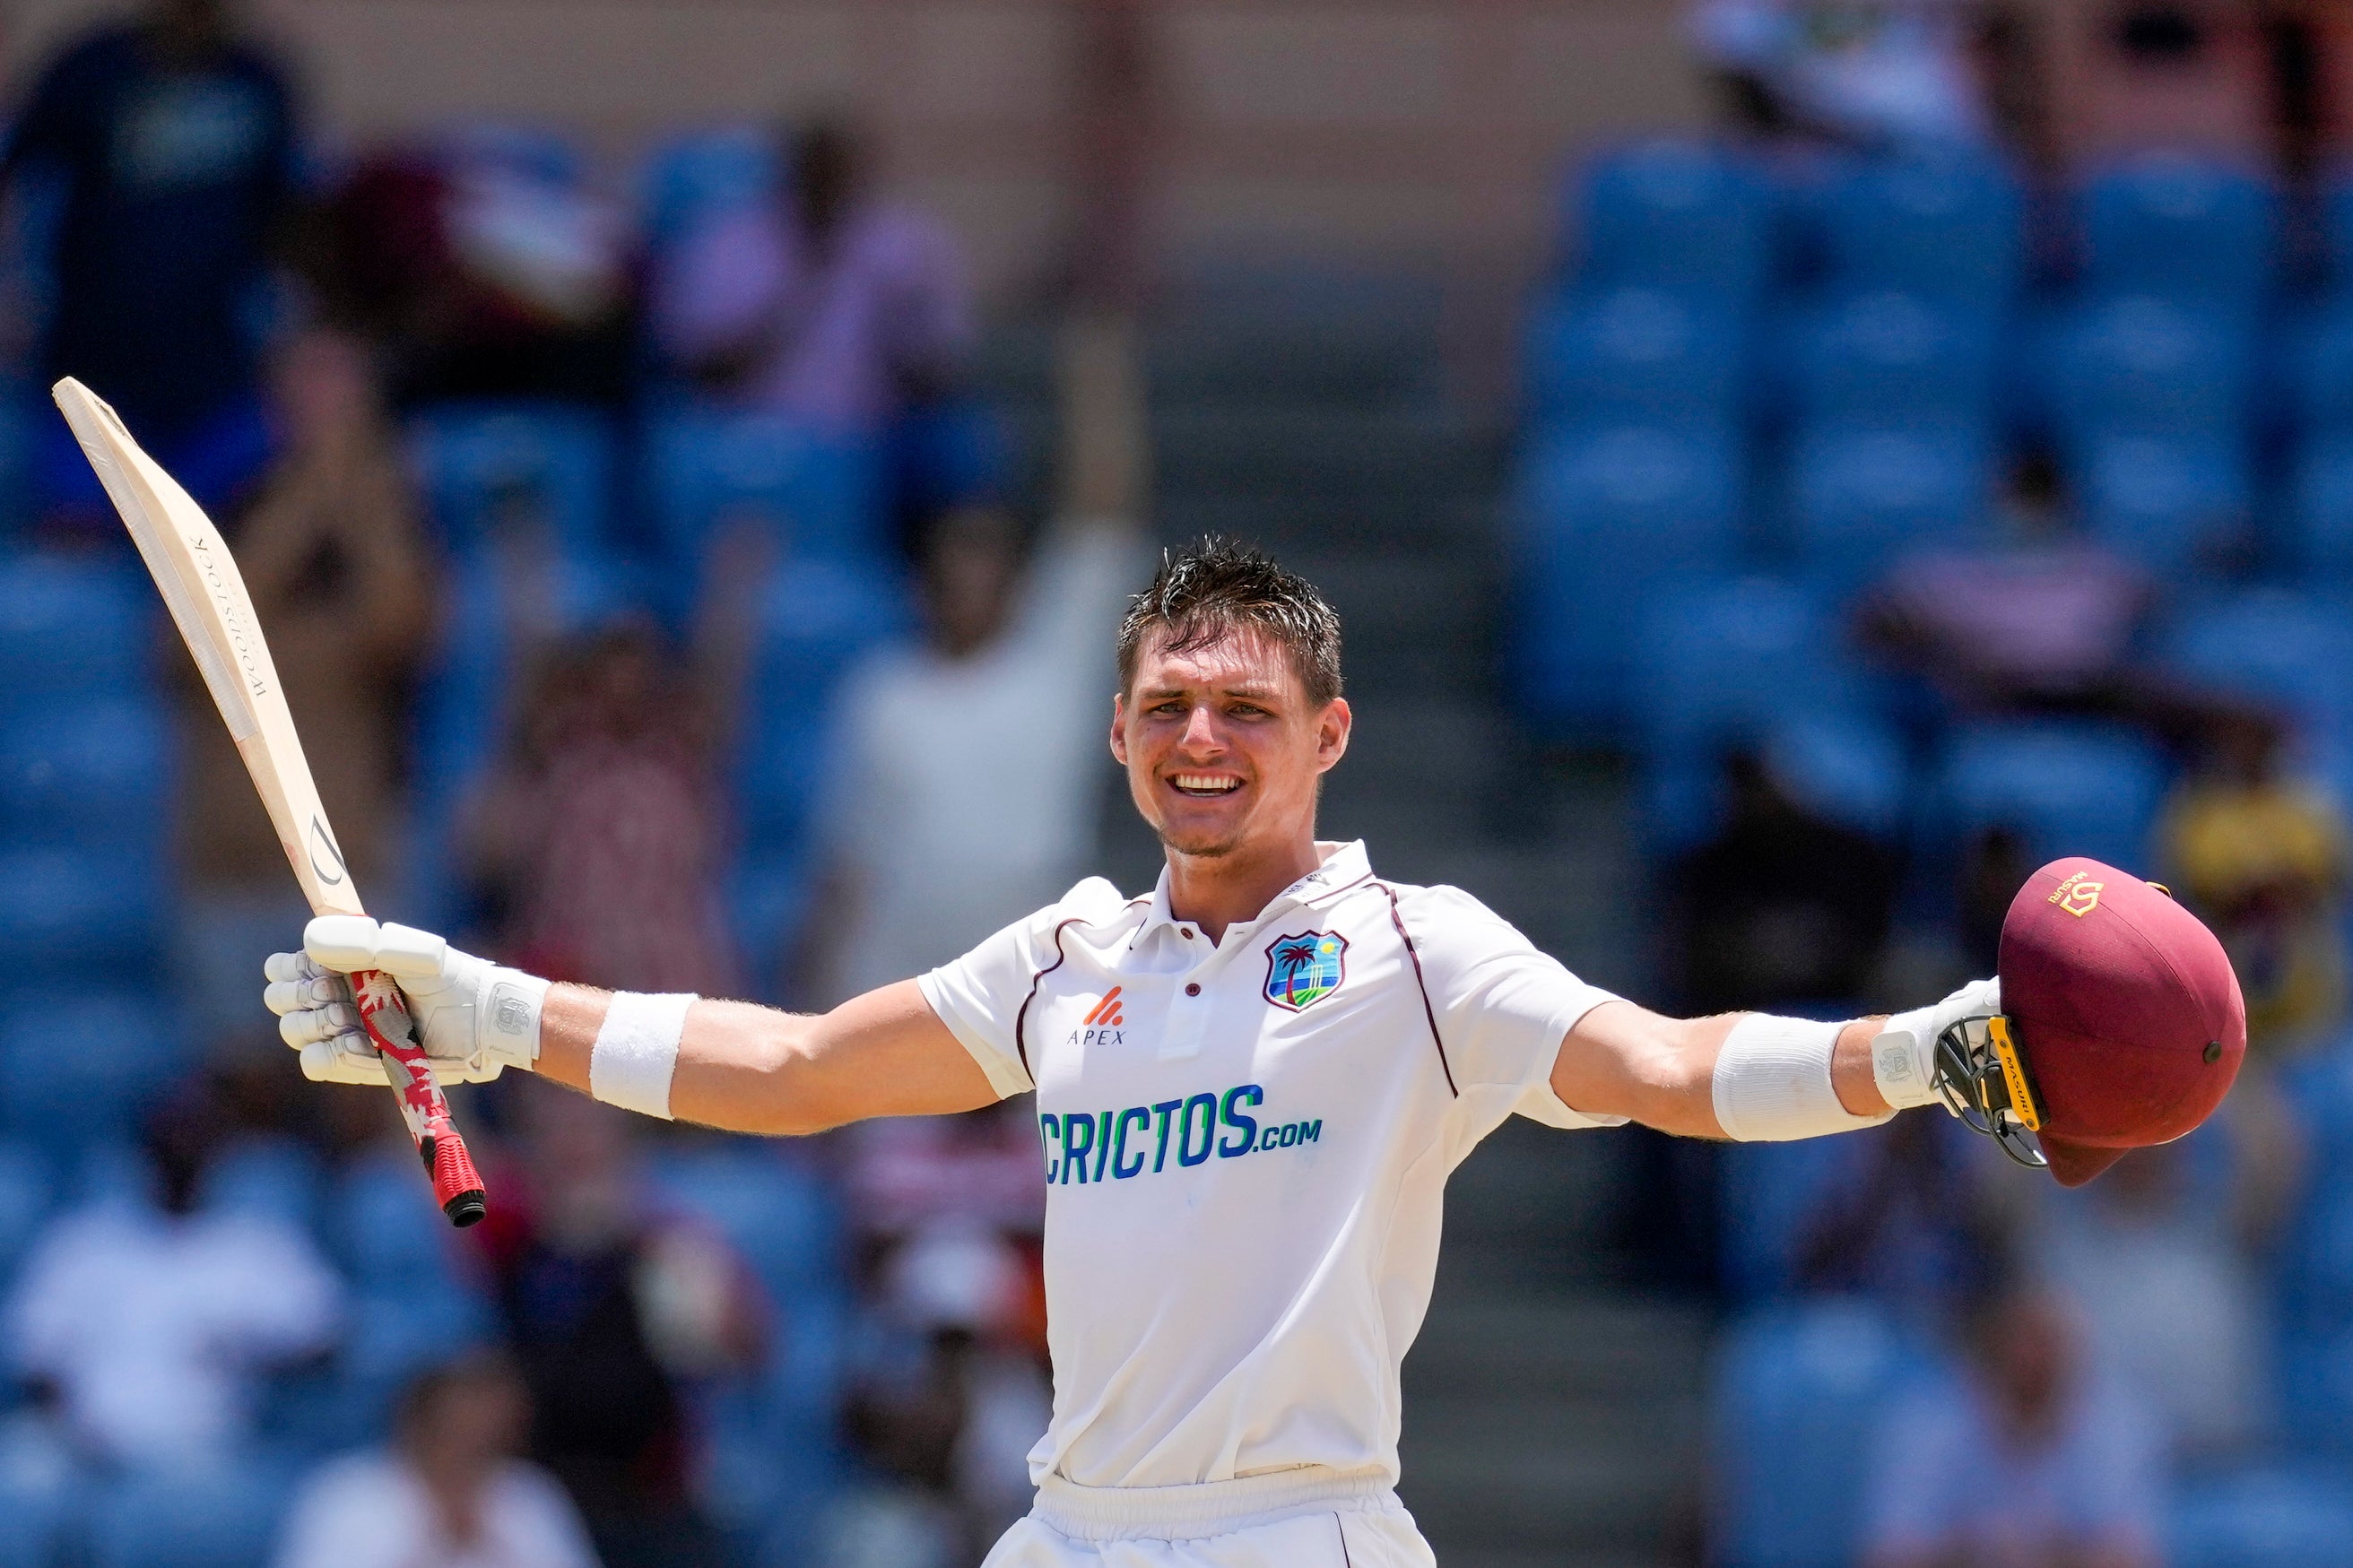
1397,919
1022,1019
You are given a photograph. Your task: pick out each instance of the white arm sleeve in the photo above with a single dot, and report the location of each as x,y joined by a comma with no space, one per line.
981,995
1772,1082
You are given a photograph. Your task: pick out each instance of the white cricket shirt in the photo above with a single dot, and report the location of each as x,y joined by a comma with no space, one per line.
1246,1146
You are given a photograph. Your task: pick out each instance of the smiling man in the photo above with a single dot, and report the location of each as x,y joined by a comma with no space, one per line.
1251,1084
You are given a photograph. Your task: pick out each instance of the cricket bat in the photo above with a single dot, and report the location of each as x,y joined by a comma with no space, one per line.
206,596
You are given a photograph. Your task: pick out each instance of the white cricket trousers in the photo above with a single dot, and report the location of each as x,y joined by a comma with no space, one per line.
1307,1518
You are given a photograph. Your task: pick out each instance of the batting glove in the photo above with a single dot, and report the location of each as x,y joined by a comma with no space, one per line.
1903,1052
474,1019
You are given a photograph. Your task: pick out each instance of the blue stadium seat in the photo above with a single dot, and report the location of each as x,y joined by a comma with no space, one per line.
2289,650
36,1513
63,912
2319,545
694,177
1886,356
75,1073
2147,363
499,470
1799,1396
1679,215
1634,353
2070,788
1947,224
74,629
821,494
1861,494
27,1188
94,774
1604,517
2174,503
271,1177
223,1515
2315,1284
2262,1519
817,620
2318,367
1849,767
2201,232
1733,659
770,893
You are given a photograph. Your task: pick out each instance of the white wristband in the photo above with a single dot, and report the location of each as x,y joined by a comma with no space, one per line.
636,1051
1773,1082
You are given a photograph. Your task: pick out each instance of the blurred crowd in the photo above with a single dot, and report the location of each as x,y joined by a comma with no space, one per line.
644,573
1961,499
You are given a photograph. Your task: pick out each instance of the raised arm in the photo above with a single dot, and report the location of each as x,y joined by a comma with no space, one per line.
748,1068
730,1065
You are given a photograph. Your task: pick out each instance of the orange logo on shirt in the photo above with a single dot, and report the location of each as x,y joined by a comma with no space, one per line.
1105,1012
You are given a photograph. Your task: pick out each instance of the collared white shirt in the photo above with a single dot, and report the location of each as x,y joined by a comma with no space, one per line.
1246,1146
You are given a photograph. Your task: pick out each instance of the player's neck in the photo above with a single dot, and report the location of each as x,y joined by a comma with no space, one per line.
1214,891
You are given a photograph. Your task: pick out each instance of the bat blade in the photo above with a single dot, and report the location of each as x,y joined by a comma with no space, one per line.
202,588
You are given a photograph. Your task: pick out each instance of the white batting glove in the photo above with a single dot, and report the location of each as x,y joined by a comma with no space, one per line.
474,1019
1903,1052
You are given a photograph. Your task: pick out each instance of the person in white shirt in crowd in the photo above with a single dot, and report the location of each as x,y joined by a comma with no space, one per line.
449,1492
932,829
148,1320
2031,1459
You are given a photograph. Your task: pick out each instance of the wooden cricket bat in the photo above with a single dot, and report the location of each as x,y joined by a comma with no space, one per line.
206,596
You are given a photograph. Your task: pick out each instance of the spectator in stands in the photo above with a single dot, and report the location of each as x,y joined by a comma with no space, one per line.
828,303
336,562
2151,1256
1872,73
602,835
449,1490
146,1323
614,1312
1782,907
173,140
2025,1458
481,273
2041,620
2262,857
936,823
950,1426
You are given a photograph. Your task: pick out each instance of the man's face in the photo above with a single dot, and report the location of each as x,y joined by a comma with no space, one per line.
1223,750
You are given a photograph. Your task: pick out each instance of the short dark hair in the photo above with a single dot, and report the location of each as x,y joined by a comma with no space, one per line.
1209,591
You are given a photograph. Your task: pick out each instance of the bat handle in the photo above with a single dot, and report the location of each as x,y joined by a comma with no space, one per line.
422,1107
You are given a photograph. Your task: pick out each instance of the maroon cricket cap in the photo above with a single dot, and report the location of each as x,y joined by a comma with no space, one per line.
2125,1009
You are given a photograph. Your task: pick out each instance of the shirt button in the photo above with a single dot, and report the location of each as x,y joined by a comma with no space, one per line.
1185,932
1192,988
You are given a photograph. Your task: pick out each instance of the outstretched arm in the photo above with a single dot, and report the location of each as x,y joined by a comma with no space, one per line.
1625,1060
730,1065
748,1068
1755,1076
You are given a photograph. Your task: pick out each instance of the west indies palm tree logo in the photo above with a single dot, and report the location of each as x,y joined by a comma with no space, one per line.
1304,969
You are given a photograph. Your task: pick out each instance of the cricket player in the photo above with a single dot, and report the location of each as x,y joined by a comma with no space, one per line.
1251,1084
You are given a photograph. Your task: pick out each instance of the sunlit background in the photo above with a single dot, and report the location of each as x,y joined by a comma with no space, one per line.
1787,467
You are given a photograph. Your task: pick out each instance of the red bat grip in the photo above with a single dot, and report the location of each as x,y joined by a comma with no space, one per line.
456,1185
